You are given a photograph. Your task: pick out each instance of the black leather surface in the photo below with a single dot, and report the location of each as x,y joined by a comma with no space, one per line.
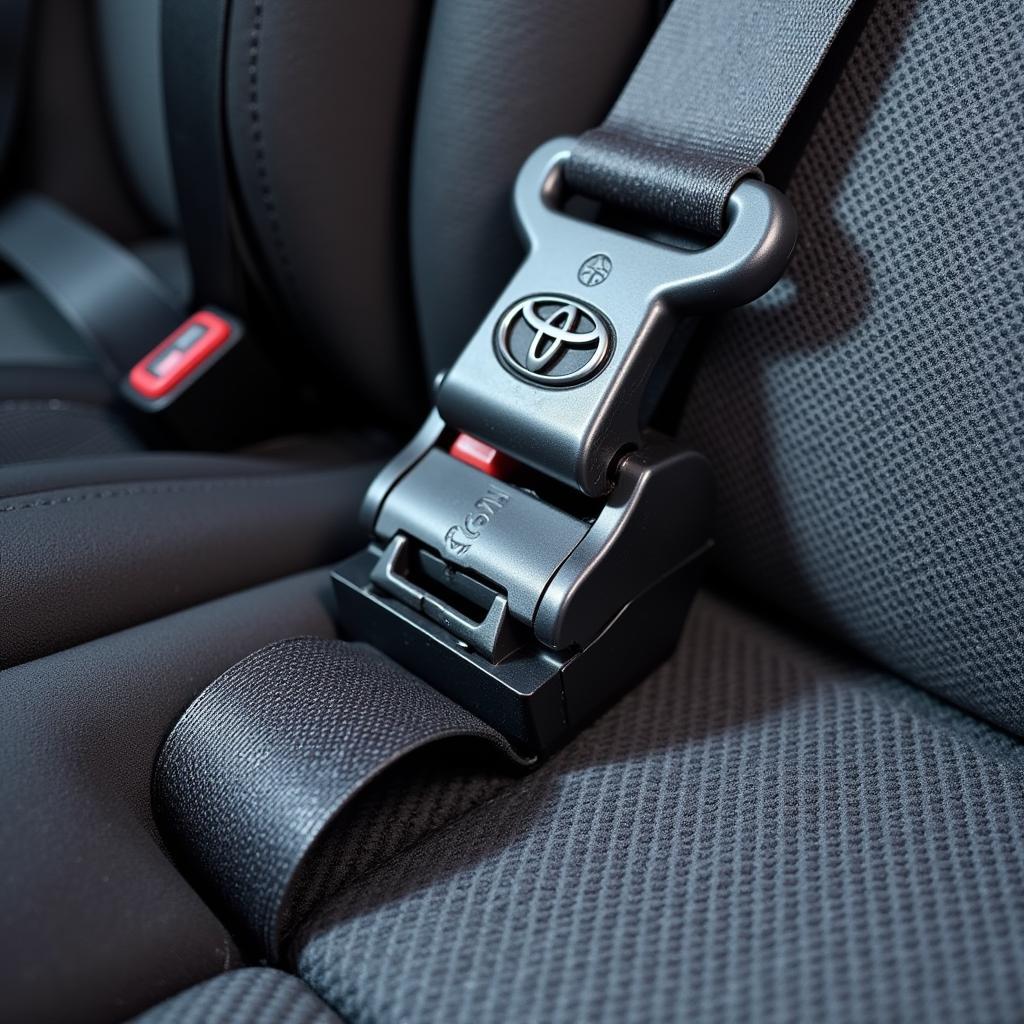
95,922
498,80
67,148
319,98
82,561
35,334
128,40
77,383
46,428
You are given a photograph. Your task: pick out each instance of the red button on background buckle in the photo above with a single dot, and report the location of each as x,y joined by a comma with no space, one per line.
179,354
476,453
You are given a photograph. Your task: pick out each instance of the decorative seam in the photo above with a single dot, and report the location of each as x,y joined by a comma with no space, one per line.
260,153
182,488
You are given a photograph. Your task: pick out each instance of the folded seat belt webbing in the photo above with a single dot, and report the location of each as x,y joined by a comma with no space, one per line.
106,293
271,753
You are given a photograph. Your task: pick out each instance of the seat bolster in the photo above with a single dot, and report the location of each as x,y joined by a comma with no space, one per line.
84,560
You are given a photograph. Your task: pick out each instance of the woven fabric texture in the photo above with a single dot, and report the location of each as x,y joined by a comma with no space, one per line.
302,726
759,832
865,419
704,106
256,995
32,429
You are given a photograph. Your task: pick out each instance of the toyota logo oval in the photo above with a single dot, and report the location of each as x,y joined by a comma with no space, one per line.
553,340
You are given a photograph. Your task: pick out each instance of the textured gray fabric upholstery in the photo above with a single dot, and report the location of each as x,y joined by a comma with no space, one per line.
40,428
254,995
865,418
498,80
761,831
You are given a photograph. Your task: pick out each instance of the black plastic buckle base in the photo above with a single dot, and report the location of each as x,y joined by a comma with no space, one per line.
536,697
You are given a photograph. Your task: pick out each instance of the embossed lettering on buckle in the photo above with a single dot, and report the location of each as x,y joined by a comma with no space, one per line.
536,596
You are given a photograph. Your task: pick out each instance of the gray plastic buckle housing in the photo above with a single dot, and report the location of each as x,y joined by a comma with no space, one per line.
537,599
574,425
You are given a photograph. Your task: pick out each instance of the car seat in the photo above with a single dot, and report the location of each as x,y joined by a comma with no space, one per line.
813,810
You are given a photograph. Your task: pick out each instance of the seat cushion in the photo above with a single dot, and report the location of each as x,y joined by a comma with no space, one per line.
253,995
97,922
116,541
37,428
762,831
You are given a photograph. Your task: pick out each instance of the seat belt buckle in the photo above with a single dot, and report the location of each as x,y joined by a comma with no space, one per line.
182,358
205,384
535,548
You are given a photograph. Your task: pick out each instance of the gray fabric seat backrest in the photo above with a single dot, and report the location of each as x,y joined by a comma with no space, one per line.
323,161
865,417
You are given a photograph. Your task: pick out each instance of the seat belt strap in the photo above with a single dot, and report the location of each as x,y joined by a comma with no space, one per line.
193,41
15,25
712,93
107,294
272,753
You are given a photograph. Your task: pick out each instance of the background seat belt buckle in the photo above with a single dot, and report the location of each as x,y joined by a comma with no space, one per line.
181,358
207,385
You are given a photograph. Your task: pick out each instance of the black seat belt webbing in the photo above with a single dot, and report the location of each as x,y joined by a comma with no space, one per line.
15,25
193,42
704,107
273,751
107,294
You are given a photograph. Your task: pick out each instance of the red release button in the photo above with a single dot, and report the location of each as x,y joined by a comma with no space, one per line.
179,354
482,456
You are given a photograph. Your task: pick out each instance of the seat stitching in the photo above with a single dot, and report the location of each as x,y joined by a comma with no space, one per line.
50,404
256,132
185,487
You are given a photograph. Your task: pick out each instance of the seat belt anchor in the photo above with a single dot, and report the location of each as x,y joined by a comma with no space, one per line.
535,548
